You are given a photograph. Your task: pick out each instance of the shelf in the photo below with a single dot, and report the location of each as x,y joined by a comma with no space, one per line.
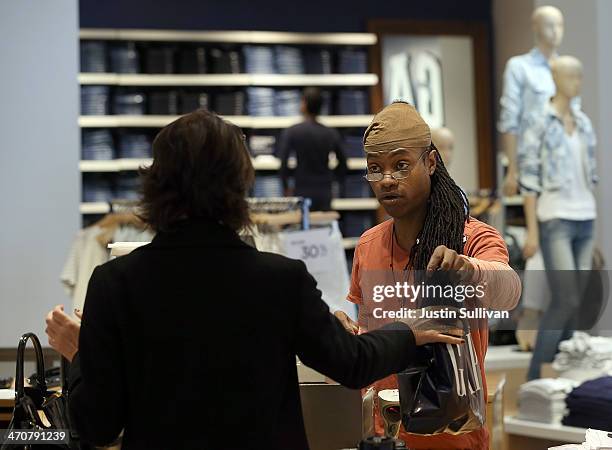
515,200
231,79
259,163
504,357
237,37
354,204
153,121
554,432
338,204
350,243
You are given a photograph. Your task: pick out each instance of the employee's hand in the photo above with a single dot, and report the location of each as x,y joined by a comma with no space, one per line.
448,259
63,331
422,337
349,324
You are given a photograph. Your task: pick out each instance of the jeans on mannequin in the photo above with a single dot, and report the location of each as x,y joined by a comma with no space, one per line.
567,249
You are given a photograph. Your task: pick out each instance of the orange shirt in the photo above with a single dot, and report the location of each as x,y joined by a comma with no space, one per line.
373,256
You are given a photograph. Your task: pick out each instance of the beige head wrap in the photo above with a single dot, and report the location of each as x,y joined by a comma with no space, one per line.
397,125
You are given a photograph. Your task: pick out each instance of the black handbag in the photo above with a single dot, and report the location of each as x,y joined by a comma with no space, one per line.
38,409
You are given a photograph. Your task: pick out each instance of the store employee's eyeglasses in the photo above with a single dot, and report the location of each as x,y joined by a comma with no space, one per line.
398,174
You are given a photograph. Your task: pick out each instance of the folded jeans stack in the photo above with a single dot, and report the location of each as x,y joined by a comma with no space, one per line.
95,100
543,400
127,186
164,103
262,145
97,145
190,101
356,187
584,357
261,101
129,103
230,103
124,58
258,59
352,101
93,56
192,59
97,188
288,102
267,186
326,103
160,59
352,61
134,146
225,61
353,146
289,60
590,405
318,61
353,224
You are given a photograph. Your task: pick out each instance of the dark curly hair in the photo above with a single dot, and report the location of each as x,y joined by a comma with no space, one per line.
201,168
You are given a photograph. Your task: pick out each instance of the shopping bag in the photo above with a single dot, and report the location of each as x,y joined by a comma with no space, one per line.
443,392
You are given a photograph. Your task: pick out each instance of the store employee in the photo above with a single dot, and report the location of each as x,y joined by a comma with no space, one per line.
191,341
429,229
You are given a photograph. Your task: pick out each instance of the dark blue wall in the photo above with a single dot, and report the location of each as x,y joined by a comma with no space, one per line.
287,15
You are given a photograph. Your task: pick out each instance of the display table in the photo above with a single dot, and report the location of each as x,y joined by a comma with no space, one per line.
528,435
508,360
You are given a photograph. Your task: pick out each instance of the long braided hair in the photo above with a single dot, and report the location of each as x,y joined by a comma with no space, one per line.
447,211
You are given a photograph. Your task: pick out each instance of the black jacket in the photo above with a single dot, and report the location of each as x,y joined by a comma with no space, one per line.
190,342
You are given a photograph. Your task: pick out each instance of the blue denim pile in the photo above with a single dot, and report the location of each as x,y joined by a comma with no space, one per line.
230,103
163,103
225,61
261,101
124,58
352,101
289,60
97,188
262,145
268,186
93,56
353,224
352,61
326,103
134,145
318,61
129,102
97,145
258,59
127,186
95,100
288,102
192,60
353,146
356,187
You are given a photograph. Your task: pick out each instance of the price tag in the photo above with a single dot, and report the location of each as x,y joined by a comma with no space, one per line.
311,246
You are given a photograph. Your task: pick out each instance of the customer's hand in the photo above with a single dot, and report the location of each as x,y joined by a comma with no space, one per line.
422,337
349,324
63,331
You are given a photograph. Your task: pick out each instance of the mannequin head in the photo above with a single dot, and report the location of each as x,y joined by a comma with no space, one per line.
567,73
445,142
547,22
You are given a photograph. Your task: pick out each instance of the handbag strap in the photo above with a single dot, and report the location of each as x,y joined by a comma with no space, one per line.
40,364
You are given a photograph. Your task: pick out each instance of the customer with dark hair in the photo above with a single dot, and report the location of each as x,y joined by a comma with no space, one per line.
311,142
191,341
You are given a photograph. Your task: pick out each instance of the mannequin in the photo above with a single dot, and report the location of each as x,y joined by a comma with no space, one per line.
445,143
527,86
557,176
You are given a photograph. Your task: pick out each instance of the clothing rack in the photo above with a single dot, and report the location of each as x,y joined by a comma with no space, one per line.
280,210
